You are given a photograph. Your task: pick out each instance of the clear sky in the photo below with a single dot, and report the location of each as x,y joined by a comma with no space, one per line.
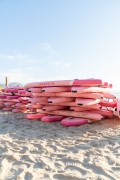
60,39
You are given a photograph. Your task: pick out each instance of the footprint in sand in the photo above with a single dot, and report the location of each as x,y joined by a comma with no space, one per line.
66,162
21,164
65,177
16,172
72,163
99,171
28,176
69,166
27,158
39,165
11,158
75,170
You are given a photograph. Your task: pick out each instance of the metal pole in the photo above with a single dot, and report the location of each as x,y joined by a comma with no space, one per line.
6,81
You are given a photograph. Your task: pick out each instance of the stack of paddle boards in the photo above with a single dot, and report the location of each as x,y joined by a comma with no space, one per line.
14,99
72,102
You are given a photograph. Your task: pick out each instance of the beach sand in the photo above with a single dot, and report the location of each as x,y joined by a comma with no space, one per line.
33,150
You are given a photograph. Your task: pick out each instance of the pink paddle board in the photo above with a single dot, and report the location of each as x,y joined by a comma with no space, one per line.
2,96
25,94
57,104
89,89
92,107
9,100
37,100
71,121
51,118
76,82
56,89
103,112
86,102
60,99
8,94
68,94
64,104
35,116
52,108
35,90
84,114
12,97
40,103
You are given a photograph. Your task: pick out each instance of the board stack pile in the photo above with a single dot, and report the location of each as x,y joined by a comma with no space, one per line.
72,102
14,99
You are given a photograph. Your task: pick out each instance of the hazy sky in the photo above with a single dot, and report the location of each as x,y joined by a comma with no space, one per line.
60,39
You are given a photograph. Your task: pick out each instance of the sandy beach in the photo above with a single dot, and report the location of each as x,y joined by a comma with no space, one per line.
33,150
